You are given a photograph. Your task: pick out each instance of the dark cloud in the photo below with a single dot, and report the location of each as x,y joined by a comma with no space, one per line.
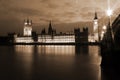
45,1
10,25
13,12
26,11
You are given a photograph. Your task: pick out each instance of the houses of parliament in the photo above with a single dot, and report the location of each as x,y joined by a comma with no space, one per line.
30,36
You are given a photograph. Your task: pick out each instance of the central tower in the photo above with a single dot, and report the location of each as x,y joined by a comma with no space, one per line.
95,28
50,30
27,27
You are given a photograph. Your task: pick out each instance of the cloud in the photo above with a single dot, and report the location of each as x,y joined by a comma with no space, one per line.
26,11
59,11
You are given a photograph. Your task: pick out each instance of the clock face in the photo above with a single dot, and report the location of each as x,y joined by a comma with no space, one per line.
95,22
25,23
29,23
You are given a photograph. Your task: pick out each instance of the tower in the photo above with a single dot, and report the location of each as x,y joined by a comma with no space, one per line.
50,30
95,28
27,28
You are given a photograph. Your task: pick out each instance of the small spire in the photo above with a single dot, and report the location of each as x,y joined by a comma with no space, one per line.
50,21
96,15
31,21
109,25
50,24
27,20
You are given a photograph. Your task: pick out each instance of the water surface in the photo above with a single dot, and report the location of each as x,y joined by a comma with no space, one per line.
22,62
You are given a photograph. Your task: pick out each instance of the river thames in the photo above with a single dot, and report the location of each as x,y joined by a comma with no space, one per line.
49,62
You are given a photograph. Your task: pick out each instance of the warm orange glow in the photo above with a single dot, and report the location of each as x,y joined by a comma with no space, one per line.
27,31
24,39
57,50
25,23
47,39
56,39
104,27
28,50
109,12
103,32
24,54
91,38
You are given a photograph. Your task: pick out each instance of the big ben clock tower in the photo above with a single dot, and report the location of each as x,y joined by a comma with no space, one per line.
95,28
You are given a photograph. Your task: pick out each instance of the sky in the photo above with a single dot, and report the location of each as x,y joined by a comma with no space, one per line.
64,14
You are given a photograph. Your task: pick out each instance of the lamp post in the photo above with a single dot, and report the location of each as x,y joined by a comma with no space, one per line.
103,31
109,13
109,33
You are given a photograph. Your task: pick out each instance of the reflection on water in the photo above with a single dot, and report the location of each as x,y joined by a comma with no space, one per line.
24,56
56,50
53,62
24,49
81,49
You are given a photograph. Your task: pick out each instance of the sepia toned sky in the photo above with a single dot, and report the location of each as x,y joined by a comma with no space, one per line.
60,12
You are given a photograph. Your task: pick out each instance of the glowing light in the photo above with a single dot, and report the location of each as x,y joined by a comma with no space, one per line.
27,31
24,39
103,32
47,39
91,38
29,23
104,27
25,23
56,39
109,12
56,50
95,22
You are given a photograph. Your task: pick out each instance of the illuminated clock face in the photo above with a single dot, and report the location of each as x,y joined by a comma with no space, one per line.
25,23
95,22
29,23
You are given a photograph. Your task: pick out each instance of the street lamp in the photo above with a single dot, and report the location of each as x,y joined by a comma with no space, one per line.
109,12
109,29
104,28
103,31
